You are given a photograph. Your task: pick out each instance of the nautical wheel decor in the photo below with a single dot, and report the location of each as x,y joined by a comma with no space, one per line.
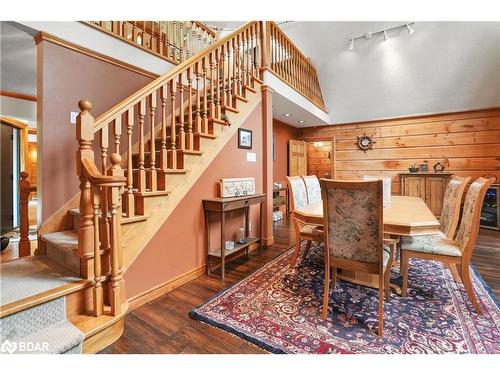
365,142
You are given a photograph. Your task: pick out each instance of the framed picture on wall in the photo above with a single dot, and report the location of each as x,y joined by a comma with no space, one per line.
245,139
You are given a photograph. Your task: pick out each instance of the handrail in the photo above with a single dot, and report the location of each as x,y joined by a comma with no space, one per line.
121,107
97,178
287,62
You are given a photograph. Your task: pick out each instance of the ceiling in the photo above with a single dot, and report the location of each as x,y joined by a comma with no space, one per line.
18,60
441,67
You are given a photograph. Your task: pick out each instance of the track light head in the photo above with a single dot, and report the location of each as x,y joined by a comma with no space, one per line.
385,36
351,44
410,29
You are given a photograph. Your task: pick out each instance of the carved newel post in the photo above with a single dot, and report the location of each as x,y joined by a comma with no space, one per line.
85,136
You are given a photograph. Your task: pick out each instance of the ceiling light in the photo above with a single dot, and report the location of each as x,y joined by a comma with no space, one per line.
351,45
301,121
318,144
410,29
287,114
385,35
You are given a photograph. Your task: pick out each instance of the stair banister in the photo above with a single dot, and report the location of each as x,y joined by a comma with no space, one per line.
25,189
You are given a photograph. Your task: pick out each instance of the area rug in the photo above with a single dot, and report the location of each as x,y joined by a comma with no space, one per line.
279,309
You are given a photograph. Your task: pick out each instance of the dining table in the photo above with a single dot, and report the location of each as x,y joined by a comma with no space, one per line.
404,216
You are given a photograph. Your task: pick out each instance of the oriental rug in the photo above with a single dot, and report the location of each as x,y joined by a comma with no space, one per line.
279,309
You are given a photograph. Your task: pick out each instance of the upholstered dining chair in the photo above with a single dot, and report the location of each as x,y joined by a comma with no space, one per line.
303,231
457,251
313,189
354,240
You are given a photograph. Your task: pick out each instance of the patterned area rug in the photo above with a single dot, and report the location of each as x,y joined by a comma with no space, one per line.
279,310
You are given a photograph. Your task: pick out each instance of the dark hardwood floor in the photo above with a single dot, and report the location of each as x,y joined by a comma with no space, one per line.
163,325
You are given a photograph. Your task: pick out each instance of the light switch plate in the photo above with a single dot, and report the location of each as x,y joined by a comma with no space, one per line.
72,117
252,157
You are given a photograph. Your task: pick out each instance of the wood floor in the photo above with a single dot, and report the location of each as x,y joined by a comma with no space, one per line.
163,325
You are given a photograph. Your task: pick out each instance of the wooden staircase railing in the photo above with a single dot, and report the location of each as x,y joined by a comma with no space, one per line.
287,62
209,82
25,189
175,41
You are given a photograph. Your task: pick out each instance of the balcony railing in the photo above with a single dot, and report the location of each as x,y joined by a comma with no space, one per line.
287,62
175,41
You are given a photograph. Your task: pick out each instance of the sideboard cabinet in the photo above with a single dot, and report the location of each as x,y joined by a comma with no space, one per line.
428,186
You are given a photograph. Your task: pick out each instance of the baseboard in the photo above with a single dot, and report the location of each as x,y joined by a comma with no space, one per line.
159,290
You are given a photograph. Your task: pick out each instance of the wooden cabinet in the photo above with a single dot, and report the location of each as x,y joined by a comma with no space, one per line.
428,186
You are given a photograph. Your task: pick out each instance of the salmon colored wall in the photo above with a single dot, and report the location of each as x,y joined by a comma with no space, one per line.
65,77
282,134
179,246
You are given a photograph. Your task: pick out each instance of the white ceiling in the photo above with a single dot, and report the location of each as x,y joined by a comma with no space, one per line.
18,60
441,67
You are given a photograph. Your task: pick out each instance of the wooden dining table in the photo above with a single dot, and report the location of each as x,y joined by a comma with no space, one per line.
404,216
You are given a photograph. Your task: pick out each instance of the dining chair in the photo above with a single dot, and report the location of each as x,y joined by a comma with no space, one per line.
457,251
354,238
313,189
303,231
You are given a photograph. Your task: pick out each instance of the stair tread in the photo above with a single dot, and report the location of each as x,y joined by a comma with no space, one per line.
29,281
152,193
134,219
229,108
59,338
166,171
90,324
188,152
65,240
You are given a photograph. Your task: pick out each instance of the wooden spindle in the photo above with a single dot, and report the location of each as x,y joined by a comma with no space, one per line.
141,177
222,81
130,199
163,150
182,133
97,292
212,66
172,161
197,111
117,132
228,81
153,182
238,88
24,226
115,246
104,228
204,120
85,136
217,84
190,138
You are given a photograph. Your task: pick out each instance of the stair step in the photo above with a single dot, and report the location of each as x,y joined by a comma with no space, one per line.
62,247
134,219
251,89
30,281
157,193
226,108
66,240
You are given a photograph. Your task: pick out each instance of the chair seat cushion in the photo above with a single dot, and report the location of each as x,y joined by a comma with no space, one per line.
431,244
308,229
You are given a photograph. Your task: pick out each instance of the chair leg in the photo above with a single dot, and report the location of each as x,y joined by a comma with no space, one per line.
326,290
333,277
296,253
468,286
380,304
308,247
404,271
386,284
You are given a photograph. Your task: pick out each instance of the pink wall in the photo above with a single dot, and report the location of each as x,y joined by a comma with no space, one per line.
179,245
282,134
65,77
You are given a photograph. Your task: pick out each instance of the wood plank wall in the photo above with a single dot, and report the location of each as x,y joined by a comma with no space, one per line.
467,143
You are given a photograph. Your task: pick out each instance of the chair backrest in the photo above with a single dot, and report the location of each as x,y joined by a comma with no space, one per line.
353,212
298,192
451,205
313,188
469,225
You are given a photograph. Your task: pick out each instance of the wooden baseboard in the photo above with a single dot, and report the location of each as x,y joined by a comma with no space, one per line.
159,290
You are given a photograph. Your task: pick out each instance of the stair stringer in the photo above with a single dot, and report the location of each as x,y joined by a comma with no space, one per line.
135,236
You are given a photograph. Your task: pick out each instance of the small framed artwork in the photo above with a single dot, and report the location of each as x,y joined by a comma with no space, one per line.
245,139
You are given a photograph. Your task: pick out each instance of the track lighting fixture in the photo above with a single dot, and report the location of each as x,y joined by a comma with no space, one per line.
410,29
385,33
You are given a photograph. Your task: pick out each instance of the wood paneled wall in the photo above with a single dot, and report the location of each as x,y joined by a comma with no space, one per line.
467,143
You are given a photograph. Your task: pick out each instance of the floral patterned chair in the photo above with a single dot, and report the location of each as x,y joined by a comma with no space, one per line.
457,251
303,231
313,189
353,225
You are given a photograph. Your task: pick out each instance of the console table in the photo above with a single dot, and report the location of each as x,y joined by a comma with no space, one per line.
221,206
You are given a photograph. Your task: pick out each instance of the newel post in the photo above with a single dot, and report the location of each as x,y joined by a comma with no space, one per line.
24,192
85,136
116,251
264,47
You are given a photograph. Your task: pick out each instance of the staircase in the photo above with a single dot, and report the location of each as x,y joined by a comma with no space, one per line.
135,163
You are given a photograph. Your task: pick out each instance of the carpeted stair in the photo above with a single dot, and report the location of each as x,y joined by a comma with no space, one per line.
36,328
